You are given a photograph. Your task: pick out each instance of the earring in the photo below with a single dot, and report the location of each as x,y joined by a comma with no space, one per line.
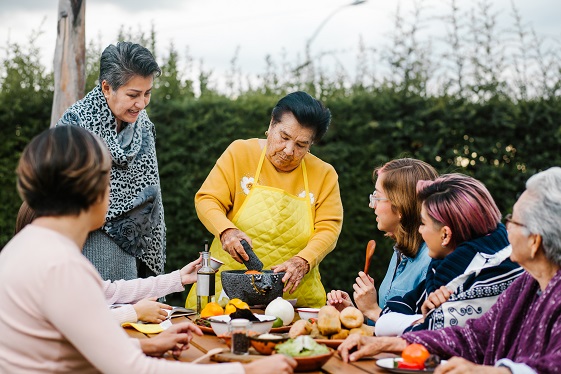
267,133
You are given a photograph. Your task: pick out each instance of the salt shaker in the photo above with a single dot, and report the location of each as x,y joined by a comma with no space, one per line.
239,329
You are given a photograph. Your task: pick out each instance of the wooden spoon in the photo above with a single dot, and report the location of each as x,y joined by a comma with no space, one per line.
370,248
210,353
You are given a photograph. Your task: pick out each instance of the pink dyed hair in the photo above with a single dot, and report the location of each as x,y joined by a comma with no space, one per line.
462,203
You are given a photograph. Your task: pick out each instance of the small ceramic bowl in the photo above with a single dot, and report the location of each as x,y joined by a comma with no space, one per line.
307,313
227,338
219,324
215,263
266,343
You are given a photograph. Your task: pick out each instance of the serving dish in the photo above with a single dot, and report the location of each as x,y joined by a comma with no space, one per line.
219,324
390,364
266,343
307,313
332,343
313,363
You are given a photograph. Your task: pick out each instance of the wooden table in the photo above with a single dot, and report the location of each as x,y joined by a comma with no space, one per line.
202,344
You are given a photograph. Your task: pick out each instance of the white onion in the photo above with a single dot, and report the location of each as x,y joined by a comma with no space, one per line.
282,309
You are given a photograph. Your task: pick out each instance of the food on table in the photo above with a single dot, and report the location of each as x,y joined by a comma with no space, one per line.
235,304
351,317
363,330
315,332
223,302
245,314
253,272
432,362
409,365
266,343
282,309
300,327
414,357
328,320
212,309
202,322
343,334
278,323
329,324
301,346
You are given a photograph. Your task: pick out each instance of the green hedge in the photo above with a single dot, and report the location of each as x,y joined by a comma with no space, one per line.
480,131
499,142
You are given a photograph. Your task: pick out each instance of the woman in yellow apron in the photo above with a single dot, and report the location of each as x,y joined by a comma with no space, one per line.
281,199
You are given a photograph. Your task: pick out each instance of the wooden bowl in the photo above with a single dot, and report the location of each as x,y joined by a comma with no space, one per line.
266,343
227,337
313,363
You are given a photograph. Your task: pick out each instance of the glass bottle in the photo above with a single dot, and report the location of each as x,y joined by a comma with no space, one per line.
205,281
239,328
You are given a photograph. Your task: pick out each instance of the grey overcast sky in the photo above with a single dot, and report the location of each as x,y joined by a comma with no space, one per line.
212,30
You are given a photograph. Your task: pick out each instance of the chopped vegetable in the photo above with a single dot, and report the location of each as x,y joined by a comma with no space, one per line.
301,346
202,322
410,365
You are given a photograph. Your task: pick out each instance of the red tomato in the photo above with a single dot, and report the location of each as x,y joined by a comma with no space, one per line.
410,365
415,353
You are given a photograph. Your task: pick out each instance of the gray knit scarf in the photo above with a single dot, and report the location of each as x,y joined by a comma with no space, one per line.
135,219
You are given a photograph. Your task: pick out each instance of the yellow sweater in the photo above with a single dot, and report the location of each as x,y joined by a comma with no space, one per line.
222,194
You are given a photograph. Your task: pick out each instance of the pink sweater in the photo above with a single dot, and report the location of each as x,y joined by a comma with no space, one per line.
54,315
134,290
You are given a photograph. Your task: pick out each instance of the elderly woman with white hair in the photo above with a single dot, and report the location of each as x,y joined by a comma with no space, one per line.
521,333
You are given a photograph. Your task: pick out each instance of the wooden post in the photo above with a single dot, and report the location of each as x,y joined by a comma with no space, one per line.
70,56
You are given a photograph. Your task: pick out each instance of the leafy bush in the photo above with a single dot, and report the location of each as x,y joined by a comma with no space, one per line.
464,114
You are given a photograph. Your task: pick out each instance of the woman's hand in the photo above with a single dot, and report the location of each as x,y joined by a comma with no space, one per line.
435,299
189,272
457,365
149,310
339,299
175,339
231,243
366,297
295,269
357,346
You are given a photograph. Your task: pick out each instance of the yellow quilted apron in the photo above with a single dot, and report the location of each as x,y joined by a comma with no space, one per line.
280,225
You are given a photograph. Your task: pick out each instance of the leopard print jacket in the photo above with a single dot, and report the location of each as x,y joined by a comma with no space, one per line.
135,219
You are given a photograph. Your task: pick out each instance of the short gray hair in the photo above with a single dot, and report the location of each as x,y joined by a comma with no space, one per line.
119,63
541,211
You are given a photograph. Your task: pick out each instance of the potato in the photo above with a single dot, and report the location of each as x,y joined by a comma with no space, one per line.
328,320
300,327
340,335
315,332
363,330
351,317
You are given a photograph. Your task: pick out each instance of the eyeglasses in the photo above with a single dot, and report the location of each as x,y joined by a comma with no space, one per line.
509,221
374,199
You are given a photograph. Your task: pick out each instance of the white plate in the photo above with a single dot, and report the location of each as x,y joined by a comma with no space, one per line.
389,365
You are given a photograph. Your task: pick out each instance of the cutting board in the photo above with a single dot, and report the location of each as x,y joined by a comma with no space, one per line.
230,357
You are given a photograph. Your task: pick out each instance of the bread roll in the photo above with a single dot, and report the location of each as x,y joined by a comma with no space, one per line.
351,317
340,335
328,320
315,332
300,327
363,330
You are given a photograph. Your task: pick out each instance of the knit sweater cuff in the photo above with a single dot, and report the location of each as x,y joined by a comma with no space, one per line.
125,313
